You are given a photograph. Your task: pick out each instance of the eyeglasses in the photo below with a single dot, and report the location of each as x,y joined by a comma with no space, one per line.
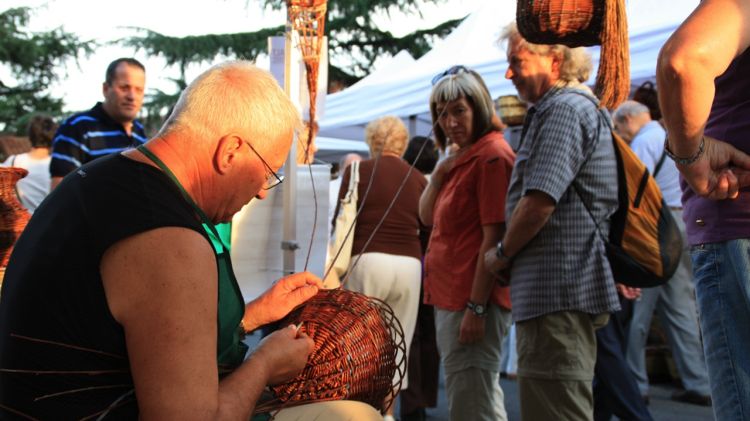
453,70
273,179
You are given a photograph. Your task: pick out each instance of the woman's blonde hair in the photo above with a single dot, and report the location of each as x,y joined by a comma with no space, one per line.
468,84
386,134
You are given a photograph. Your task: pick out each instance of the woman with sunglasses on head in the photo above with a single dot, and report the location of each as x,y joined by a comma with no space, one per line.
464,203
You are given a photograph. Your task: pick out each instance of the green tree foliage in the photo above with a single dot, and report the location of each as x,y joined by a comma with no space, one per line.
182,51
354,40
34,60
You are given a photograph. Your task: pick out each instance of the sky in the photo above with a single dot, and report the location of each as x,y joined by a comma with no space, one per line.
107,21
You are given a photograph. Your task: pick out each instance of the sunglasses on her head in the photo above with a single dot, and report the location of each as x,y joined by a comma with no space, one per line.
453,70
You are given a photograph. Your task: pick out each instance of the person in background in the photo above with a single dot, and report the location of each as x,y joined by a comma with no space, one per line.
143,319
675,300
704,93
33,188
615,388
464,203
109,127
646,94
424,359
560,198
385,261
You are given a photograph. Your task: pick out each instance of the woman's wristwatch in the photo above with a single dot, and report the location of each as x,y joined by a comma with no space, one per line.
479,310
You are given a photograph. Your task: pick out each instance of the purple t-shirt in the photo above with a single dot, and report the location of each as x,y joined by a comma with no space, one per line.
710,221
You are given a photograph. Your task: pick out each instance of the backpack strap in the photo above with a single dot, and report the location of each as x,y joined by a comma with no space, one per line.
660,163
603,116
601,111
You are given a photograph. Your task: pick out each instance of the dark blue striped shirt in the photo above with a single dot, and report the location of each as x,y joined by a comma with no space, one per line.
86,136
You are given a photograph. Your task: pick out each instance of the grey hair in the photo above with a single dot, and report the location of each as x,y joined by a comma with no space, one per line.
466,84
629,108
386,134
576,64
234,97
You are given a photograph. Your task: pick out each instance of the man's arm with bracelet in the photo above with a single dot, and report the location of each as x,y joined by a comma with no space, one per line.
697,53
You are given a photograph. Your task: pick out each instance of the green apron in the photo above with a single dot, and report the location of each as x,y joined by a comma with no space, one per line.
231,306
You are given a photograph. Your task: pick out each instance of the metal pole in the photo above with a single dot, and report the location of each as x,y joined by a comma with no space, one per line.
289,243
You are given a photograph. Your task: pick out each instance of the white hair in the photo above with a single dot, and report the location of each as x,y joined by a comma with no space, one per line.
234,96
629,109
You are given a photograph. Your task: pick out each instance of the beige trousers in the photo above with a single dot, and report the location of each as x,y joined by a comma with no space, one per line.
330,411
393,279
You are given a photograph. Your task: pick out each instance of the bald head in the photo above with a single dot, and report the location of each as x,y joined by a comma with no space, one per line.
234,97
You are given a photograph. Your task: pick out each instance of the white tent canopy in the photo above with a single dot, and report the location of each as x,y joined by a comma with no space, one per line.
404,90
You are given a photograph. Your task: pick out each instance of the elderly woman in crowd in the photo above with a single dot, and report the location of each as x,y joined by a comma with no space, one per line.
464,203
386,252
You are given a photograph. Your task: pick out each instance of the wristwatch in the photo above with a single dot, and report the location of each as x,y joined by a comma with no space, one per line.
479,310
500,252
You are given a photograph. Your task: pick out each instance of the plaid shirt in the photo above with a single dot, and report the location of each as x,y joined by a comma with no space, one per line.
565,267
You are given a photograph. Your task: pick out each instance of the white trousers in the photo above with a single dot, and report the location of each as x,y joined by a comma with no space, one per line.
393,279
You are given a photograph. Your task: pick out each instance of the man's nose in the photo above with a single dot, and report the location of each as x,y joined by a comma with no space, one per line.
508,73
261,194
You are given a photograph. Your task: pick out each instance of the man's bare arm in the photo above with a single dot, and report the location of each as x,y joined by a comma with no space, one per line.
699,51
161,286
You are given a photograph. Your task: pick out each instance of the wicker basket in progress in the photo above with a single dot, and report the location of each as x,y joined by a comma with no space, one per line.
359,354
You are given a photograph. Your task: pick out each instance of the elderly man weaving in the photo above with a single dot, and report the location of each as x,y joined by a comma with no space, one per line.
143,318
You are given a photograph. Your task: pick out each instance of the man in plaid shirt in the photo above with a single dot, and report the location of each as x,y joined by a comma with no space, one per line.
562,286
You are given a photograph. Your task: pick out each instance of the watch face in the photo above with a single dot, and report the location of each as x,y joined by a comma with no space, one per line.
479,309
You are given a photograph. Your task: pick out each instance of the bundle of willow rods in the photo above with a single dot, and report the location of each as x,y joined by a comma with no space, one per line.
360,352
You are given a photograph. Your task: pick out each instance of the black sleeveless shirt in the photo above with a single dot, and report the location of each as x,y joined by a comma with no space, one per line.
62,354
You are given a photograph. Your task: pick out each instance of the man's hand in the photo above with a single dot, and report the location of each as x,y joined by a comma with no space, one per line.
284,353
499,268
720,172
472,328
629,293
286,294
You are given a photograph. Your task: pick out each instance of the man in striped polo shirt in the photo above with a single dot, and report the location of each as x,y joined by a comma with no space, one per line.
109,127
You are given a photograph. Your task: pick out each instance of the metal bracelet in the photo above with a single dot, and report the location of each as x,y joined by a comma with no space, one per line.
685,161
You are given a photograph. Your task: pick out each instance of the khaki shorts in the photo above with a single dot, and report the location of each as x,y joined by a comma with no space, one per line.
556,358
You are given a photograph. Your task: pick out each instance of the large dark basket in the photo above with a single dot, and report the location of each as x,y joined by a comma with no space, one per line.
360,352
575,23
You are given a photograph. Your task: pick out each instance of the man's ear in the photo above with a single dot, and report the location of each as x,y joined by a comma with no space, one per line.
557,61
227,152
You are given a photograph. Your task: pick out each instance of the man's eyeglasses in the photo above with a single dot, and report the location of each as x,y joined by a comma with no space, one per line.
273,179
453,70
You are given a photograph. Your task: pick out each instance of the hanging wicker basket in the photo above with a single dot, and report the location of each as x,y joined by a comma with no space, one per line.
578,23
360,352
574,23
